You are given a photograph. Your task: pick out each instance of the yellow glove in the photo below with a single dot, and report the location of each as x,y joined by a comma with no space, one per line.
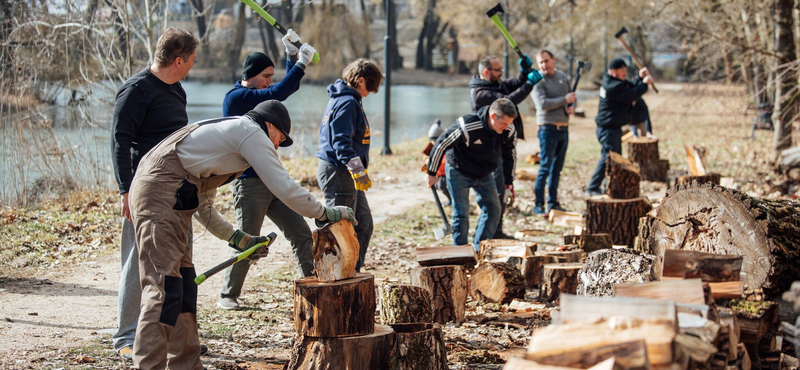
359,174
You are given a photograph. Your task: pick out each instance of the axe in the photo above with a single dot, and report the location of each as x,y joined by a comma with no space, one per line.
581,67
230,261
446,228
492,14
618,36
263,13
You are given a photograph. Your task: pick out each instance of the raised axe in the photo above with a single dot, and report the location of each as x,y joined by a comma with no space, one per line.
446,228
582,66
274,23
230,261
493,15
638,62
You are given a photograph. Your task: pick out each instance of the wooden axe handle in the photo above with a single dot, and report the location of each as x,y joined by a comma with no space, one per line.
635,59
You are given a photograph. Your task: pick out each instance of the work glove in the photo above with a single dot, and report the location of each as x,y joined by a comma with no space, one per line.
526,63
534,77
338,213
509,196
288,41
306,54
242,241
359,174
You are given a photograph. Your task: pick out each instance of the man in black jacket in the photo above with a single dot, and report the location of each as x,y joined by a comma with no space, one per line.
472,146
617,99
485,89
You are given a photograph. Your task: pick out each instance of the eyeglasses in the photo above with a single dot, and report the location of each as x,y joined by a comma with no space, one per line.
497,70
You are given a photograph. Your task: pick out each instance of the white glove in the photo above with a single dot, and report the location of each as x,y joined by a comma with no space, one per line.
288,41
306,54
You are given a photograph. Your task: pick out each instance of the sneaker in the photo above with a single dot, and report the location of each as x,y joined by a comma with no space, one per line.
556,207
538,210
203,349
502,235
228,303
126,352
592,193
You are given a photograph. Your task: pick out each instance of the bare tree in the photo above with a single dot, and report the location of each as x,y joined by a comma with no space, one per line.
785,111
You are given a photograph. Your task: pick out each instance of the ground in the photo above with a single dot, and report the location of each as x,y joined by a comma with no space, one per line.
59,302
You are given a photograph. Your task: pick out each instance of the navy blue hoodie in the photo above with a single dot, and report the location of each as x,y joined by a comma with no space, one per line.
344,131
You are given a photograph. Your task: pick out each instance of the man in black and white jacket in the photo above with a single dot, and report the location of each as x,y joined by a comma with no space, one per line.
472,146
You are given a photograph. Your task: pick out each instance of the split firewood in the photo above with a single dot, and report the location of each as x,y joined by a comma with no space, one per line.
728,318
526,174
562,218
606,267
622,177
522,363
403,304
338,309
370,351
493,249
686,291
618,217
700,351
558,279
335,251
531,268
447,255
418,346
496,282
533,159
684,181
709,267
448,288
727,289
695,158
575,309
590,242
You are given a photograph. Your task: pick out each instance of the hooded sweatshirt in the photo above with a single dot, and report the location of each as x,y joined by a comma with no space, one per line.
616,101
483,93
344,130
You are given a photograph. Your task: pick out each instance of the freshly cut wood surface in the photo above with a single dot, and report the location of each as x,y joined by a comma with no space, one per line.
447,255
622,177
418,346
558,279
686,291
696,348
576,309
684,180
531,269
709,267
618,217
590,242
561,218
448,288
335,251
496,282
563,256
363,352
727,289
523,363
338,309
491,249
695,158
402,304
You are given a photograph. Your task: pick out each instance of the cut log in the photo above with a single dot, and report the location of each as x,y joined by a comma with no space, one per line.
728,318
563,256
526,174
557,279
492,249
642,149
418,346
590,242
589,309
448,288
531,269
335,251
684,181
606,267
714,219
620,218
622,177
709,267
656,171
404,304
339,309
628,355
563,218
699,351
685,291
496,282
695,158
363,352
447,255
727,289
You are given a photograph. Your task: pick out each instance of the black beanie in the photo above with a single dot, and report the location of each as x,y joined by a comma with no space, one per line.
254,64
617,63
274,112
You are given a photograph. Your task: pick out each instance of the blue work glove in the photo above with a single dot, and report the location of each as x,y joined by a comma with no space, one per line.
242,241
534,77
526,63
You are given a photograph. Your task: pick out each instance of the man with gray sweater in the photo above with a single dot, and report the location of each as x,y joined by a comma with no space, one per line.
553,107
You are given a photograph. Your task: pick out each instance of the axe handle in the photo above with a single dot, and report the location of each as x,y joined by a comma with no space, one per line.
575,84
635,59
441,209
497,22
272,21
230,261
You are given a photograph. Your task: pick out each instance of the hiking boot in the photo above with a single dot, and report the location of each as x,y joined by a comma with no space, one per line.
592,193
203,349
538,210
126,353
556,207
228,303
502,235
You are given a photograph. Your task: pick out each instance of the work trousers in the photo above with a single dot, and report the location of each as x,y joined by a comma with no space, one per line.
486,194
130,290
610,141
552,150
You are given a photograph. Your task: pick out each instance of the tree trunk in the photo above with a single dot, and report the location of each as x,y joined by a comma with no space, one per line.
336,251
785,110
235,49
418,347
559,278
364,352
607,267
404,304
622,176
715,219
620,218
366,19
589,242
448,287
339,309
687,180
496,282
202,30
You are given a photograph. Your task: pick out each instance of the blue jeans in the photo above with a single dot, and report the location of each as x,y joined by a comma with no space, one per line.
641,119
552,150
488,200
611,141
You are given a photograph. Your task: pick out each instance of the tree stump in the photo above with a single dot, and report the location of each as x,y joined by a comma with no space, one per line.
418,347
447,255
448,288
558,278
589,242
563,256
607,267
656,171
531,268
714,219
686,180
622,177
402,304
496,282
642,149
363,352
339,309
617,217
335,251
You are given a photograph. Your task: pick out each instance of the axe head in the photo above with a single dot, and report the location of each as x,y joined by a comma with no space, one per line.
621,32
444,231
584,66
499,8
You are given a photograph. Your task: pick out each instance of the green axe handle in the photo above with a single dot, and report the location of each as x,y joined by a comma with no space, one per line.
263,13
497,22
202,277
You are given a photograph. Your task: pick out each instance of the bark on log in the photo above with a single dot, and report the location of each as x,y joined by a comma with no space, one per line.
622,177
620,218
448,288
557,279
653,171
335,251
590,242
404,304
339,309
715,219
363,352
447,255
531,269
709,267
604,268
685,180
496,282
642,149
418,347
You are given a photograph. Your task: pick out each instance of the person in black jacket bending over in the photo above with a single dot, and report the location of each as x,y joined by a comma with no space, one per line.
485,89
615,109
472,146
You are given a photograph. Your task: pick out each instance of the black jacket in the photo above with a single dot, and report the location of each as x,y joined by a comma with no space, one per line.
483,93
616,101
473,148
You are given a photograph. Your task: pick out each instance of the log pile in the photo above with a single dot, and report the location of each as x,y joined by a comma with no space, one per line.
604,268
643,153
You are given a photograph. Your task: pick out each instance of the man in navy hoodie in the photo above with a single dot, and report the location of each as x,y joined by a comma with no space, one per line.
251,198
344,140
615,109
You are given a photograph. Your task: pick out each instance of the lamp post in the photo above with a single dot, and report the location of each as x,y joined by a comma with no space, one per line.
387,88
